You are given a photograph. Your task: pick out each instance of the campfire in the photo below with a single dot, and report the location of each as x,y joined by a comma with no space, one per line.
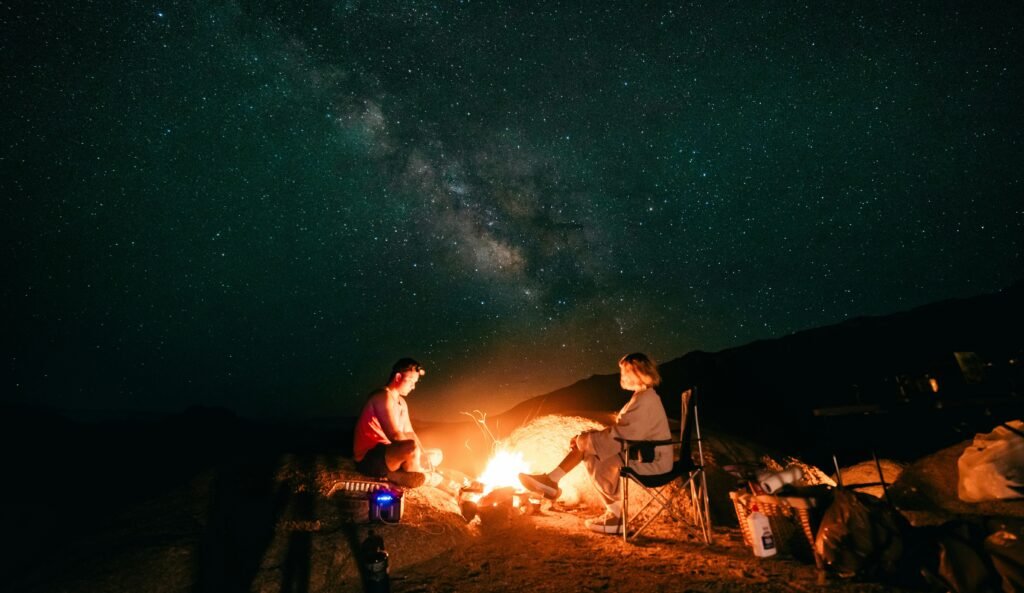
498,486
536,446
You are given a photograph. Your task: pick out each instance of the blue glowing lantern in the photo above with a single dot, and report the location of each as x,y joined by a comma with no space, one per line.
385,506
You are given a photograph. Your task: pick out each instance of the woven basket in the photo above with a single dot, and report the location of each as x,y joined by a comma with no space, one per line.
789,537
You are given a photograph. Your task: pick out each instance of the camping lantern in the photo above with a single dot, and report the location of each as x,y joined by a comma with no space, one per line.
363,500
385,506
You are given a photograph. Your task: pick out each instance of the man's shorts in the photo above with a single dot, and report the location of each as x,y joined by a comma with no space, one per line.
374,464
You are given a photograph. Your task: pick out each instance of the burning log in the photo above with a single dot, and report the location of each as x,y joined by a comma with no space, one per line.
473,502
498,496
498,507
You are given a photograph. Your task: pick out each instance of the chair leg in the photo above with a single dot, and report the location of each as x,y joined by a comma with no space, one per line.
624,485
706,522
700,510
694,503
664,503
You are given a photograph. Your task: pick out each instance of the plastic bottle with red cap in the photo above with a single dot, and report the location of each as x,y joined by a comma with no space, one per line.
761,533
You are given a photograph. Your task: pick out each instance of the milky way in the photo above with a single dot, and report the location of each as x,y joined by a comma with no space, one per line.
262,206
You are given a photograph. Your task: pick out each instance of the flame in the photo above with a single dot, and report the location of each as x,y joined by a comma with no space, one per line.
503,470
541,444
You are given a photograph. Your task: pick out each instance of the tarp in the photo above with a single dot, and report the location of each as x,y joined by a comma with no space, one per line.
992,468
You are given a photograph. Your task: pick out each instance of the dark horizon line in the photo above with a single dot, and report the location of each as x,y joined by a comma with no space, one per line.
99,415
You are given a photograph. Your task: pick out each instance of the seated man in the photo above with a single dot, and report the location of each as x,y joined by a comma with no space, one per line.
385,445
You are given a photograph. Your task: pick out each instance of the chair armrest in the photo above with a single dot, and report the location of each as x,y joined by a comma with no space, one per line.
641,450
629,443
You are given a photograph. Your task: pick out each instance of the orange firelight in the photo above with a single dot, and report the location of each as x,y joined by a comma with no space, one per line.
503,470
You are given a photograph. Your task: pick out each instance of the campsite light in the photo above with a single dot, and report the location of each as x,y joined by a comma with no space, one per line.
503,469
934,383
386,505
384,498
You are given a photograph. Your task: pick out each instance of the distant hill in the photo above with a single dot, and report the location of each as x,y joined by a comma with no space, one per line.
768,390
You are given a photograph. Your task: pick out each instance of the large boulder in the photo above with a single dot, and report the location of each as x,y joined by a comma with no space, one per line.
926,491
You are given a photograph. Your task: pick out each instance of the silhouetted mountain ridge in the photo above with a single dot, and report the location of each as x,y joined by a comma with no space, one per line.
769,389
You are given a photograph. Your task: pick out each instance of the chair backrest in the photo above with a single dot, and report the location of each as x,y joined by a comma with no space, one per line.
687,424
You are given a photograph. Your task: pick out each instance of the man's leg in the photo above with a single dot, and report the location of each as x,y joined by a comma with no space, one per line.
374,462
403,455
403,462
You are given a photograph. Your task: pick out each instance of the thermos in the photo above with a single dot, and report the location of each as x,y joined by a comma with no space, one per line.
375,564
761,533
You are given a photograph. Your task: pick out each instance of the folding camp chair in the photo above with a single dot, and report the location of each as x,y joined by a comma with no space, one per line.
660,486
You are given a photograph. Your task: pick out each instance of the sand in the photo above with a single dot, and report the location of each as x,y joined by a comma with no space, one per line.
553,551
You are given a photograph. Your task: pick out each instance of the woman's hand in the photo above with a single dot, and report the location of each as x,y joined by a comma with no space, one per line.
574,443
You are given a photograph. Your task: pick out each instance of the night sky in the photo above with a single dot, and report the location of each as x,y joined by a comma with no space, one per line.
262,205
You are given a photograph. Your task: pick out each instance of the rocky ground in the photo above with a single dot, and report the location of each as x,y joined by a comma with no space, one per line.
553,551
167,547
283,525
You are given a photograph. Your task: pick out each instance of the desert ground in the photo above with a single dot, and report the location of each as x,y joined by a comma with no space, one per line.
280,523
553,551
177,545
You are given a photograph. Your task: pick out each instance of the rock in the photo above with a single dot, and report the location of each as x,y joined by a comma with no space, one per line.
926,492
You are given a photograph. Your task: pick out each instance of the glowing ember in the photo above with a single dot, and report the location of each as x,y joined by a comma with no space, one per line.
503,470
498,488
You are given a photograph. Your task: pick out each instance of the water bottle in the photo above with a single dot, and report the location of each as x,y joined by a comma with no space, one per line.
761,533
375,564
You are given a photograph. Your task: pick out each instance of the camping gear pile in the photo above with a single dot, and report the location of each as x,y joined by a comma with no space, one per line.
859,536
992,468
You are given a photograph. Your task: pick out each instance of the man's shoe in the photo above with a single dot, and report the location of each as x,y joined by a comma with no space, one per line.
407,479
609,523
541,484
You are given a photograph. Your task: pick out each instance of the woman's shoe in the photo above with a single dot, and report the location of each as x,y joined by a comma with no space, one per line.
541,484
609,523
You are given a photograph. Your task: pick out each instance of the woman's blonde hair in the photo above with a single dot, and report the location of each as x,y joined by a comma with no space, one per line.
643,367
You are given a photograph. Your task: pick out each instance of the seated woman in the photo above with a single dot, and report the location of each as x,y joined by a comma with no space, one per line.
641,419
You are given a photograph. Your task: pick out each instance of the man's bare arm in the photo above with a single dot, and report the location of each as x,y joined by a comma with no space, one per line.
387,411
